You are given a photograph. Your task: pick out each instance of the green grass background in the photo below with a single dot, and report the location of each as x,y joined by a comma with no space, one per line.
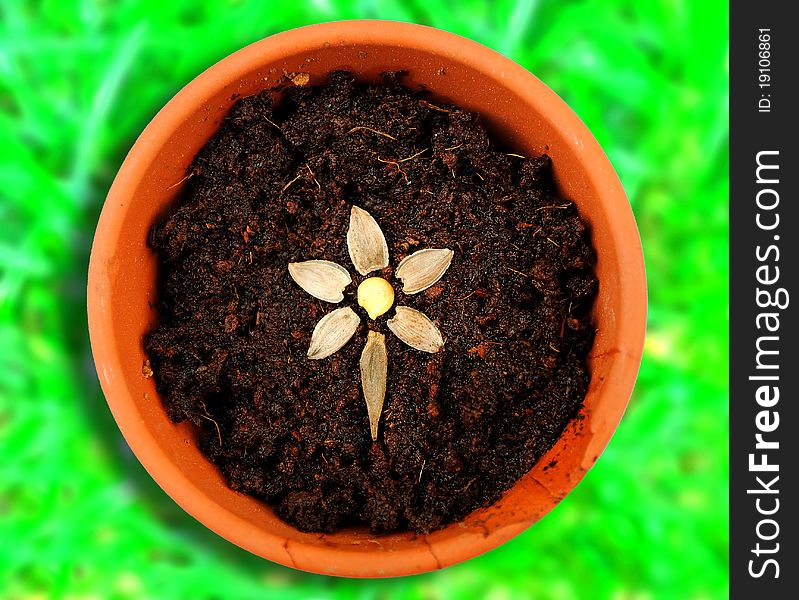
79,518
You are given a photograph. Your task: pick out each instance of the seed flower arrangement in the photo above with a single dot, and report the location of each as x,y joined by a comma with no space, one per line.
326,280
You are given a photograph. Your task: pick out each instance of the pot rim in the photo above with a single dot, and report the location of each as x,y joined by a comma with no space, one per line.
329,560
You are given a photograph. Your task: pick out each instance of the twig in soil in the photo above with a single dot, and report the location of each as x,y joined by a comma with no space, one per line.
186,178
273,124
553,242
567,205
359,127
208,416
402,160
455,147
435,107
424,462
514,155
517,272
480,176
307,166
396,164
285,187
466,487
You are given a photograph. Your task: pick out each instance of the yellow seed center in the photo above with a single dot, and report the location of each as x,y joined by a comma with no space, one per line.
376,296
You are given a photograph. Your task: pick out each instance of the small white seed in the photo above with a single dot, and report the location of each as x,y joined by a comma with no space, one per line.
376,296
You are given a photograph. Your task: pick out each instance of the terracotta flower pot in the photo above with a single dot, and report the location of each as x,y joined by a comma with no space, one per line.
519,109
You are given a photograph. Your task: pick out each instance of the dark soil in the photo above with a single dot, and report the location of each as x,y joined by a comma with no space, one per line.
459,427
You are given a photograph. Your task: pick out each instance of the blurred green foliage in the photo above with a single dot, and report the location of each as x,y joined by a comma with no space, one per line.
79,518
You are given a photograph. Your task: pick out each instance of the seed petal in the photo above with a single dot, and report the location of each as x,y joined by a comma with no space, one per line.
374,371
332,332
416,330
321,279
366,243
423,268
